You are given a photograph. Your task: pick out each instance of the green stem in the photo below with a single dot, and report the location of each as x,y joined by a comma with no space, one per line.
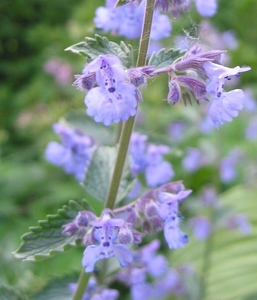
126,132
128,126
82,283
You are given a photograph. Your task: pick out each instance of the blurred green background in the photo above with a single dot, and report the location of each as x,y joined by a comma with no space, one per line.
35,87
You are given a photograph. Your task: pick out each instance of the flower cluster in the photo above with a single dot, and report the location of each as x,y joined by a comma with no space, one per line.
201,75
147,264
73,153
127,20
109,235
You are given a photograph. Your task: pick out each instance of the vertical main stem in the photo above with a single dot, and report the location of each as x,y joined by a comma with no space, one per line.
128,126
126,132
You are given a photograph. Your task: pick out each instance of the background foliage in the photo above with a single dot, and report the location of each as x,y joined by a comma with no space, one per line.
34,32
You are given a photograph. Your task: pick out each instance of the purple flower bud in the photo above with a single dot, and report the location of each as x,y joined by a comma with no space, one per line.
84,82
80,224
174,94
240,222
197,87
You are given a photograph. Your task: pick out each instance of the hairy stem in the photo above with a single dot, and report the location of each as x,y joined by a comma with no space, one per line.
126,132
128,126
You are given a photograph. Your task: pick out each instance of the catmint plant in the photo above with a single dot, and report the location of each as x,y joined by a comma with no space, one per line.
139,209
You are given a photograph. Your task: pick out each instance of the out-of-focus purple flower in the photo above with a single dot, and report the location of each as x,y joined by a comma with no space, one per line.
250,102
209,196
229,39
207,126
161,27
251,130
105,234
176,131
148,158
61,71
74,152
225,107
193,160
127,20
95,292
206,8
241,222
114,100
228,165
157,171
201,227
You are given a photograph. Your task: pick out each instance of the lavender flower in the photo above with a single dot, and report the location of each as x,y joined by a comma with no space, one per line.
201,227
105,234
193,160
127,20
148,158
113,100
228,165
160,211
206,8
74,152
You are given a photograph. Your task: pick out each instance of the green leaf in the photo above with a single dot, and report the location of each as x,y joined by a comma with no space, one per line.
100,171
47,239
9,293
164,57
232,258
103,135
93,47
57,289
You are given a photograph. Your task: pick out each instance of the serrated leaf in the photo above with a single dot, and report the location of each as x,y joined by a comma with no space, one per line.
93,47
9,293
100,171
232,270
47,239
164,57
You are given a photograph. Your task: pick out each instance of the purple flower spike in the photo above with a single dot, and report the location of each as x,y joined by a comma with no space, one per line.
105,233
114,100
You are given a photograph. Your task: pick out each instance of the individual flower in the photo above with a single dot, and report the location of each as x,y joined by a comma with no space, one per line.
73,153
218,75
251,130
113,100
226,107
105,233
